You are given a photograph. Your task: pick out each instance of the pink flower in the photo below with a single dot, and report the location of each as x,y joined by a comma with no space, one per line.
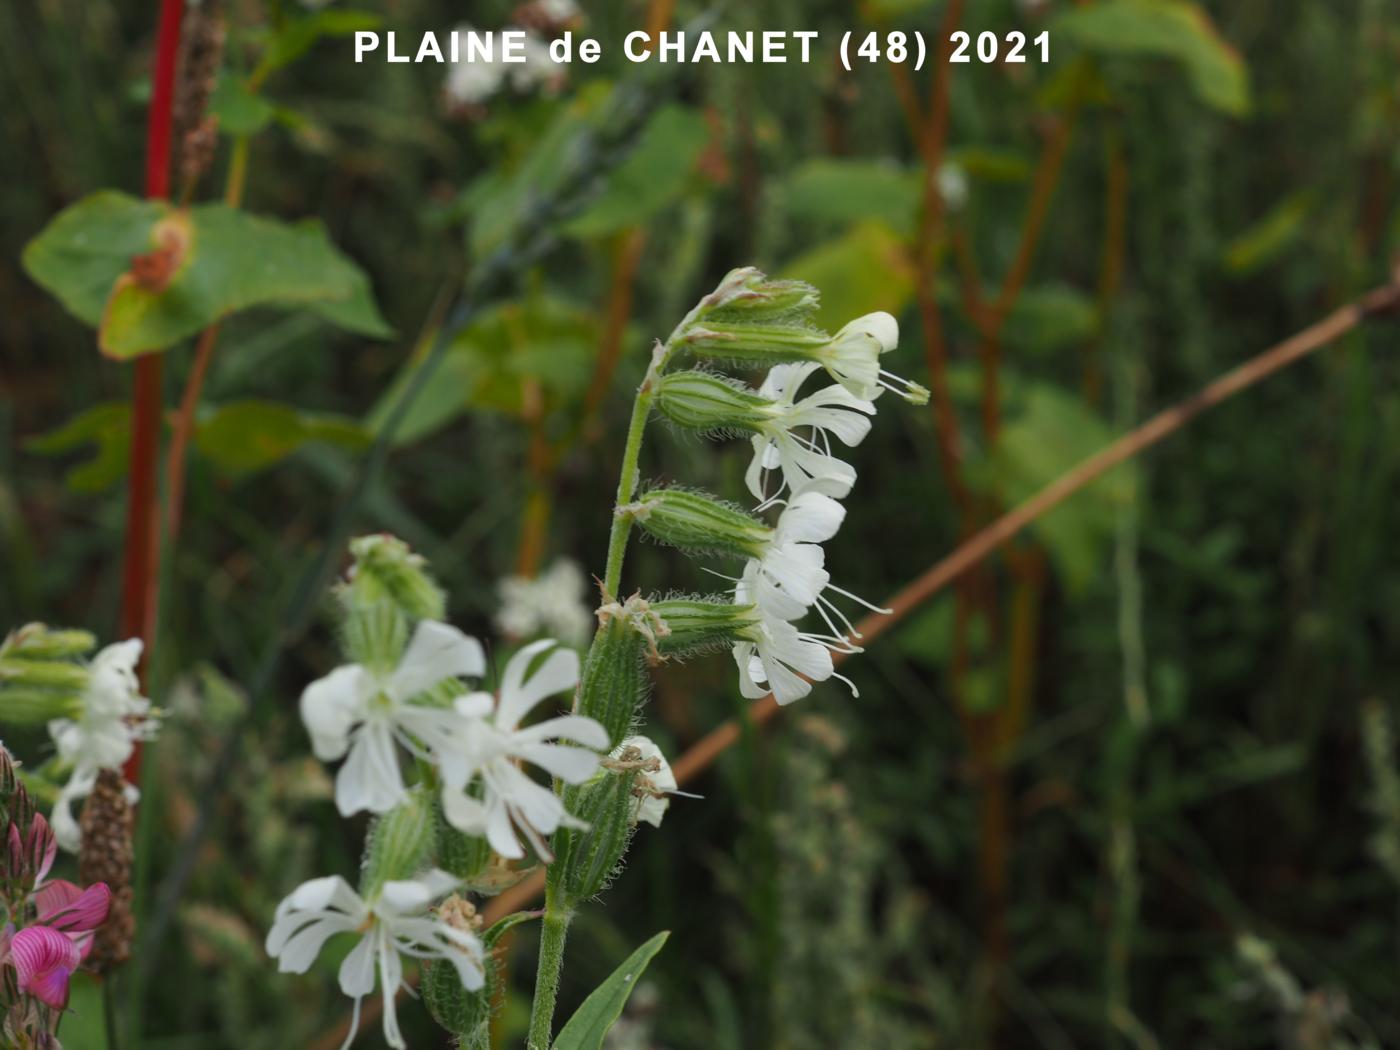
30,858
45,954
73,911
44,959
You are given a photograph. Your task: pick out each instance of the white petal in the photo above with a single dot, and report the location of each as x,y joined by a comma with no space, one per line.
573,765
330,706
437,651
357,971
578,728
882,327
519,695
370,778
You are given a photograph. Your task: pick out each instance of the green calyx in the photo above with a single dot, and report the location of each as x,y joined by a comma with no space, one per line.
754,345
385,569
401,842
699,524
711,404
34,641
696,625
747,294
585,859
614,682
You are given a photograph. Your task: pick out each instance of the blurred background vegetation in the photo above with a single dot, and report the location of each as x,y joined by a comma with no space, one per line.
1130,783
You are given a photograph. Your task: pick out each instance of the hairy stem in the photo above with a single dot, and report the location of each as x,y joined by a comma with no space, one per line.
551,964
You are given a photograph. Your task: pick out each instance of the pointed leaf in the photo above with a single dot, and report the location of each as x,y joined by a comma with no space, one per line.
600,1011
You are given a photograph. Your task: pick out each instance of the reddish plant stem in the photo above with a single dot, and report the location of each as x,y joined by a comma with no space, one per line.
932,141
1115,245
140,580
1047,178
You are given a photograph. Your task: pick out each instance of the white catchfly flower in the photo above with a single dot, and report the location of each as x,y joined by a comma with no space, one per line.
654,782
485,792
552,603
853,359
805,460
396,921
365,712
112,717
791,563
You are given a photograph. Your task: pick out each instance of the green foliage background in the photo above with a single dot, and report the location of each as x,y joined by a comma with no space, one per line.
1193,768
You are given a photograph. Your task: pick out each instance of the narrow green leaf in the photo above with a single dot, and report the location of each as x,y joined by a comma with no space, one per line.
298,35
600,1011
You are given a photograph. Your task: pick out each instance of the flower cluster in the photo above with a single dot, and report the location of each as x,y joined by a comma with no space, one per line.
50,922
795,471
405,698
94,711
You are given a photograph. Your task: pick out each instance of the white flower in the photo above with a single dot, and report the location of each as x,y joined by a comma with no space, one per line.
485,792
560,11
552,603
853,359
364,711
112,716
472,83
791,564
539,67
653,783
805,460
396,922
775,656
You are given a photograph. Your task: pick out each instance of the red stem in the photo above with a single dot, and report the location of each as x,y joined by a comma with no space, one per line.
140,558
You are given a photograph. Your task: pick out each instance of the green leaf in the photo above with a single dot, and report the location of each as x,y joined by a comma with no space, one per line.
851,190
239,111
1050,318
249,435
542,339
108,427
296,36
1271,236
991,163
220,260
865,269
87,246
600,1011
654,174
1047,432
1173,29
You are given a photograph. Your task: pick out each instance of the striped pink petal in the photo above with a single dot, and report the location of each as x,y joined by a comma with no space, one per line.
63,906
44,959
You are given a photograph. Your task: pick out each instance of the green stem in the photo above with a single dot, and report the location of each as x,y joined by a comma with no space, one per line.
627,479
552,935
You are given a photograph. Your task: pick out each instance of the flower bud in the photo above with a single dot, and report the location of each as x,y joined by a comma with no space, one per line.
585,859
385,567
709,403
614,683
400,843
699,524
748,294
696,625
34,641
